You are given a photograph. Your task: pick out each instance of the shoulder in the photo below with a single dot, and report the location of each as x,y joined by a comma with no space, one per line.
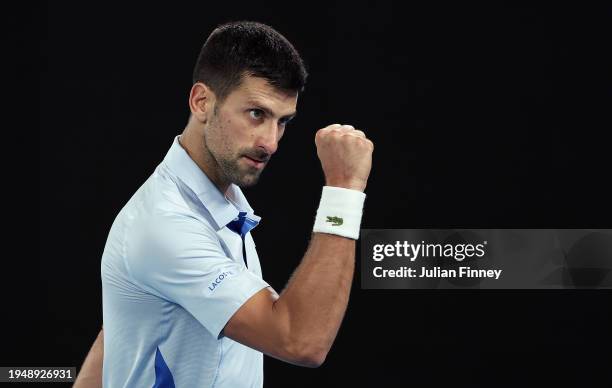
166,222
168,244
168,231
165,205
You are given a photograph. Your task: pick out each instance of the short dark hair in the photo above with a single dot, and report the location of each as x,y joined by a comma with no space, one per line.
238,49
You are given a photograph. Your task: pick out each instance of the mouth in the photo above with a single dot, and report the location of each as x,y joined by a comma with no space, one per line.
254,162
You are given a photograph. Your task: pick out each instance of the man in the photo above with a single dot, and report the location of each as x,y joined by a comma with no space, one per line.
184,302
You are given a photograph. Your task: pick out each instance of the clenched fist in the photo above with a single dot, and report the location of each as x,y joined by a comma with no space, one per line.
346,156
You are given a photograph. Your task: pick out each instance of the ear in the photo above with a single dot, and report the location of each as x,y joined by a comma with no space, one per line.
201,102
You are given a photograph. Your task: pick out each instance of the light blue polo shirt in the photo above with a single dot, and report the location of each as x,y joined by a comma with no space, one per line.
173,274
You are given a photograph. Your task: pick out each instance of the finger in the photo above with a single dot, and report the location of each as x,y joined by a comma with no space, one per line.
330,128
345,128
358,133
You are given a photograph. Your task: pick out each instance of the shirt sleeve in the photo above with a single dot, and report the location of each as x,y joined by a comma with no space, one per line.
180,259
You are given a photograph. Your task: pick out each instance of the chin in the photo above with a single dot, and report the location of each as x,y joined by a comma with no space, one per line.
248,181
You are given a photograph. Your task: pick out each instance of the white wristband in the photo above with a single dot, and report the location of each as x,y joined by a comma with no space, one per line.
340,212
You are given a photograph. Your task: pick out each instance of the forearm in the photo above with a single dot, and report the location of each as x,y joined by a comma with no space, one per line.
90,375
315,298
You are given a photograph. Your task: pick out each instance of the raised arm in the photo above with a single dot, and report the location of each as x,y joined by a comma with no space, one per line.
90,375
300,325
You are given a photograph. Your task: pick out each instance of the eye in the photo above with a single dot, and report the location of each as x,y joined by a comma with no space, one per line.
256,113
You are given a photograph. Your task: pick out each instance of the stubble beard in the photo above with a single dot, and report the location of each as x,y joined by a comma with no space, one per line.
229,166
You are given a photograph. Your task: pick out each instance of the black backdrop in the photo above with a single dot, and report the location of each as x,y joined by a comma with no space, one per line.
491,115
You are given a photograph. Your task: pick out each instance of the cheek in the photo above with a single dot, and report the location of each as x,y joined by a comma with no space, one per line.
231,142
240,133
232,136
216,138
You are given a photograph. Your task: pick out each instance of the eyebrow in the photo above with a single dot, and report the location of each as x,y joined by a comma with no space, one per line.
269,111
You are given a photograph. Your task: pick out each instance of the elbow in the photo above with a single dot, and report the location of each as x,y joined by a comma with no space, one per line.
301,346
313,360
308,356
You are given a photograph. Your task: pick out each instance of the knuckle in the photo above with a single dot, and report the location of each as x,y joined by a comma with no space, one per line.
321,133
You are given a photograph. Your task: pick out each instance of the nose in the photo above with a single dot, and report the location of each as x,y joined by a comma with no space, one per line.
267,138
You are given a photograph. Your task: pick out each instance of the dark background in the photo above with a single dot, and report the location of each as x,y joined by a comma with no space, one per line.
489,115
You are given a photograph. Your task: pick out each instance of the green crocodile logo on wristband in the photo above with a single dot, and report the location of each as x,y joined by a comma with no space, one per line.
336,221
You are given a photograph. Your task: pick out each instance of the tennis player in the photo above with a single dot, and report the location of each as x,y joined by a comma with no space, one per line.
184,301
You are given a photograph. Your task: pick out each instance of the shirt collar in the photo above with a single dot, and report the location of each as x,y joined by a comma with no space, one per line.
223,208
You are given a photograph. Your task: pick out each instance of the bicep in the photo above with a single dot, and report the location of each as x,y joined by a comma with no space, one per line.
258,324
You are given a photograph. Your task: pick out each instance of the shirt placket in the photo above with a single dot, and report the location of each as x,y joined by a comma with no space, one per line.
241,225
